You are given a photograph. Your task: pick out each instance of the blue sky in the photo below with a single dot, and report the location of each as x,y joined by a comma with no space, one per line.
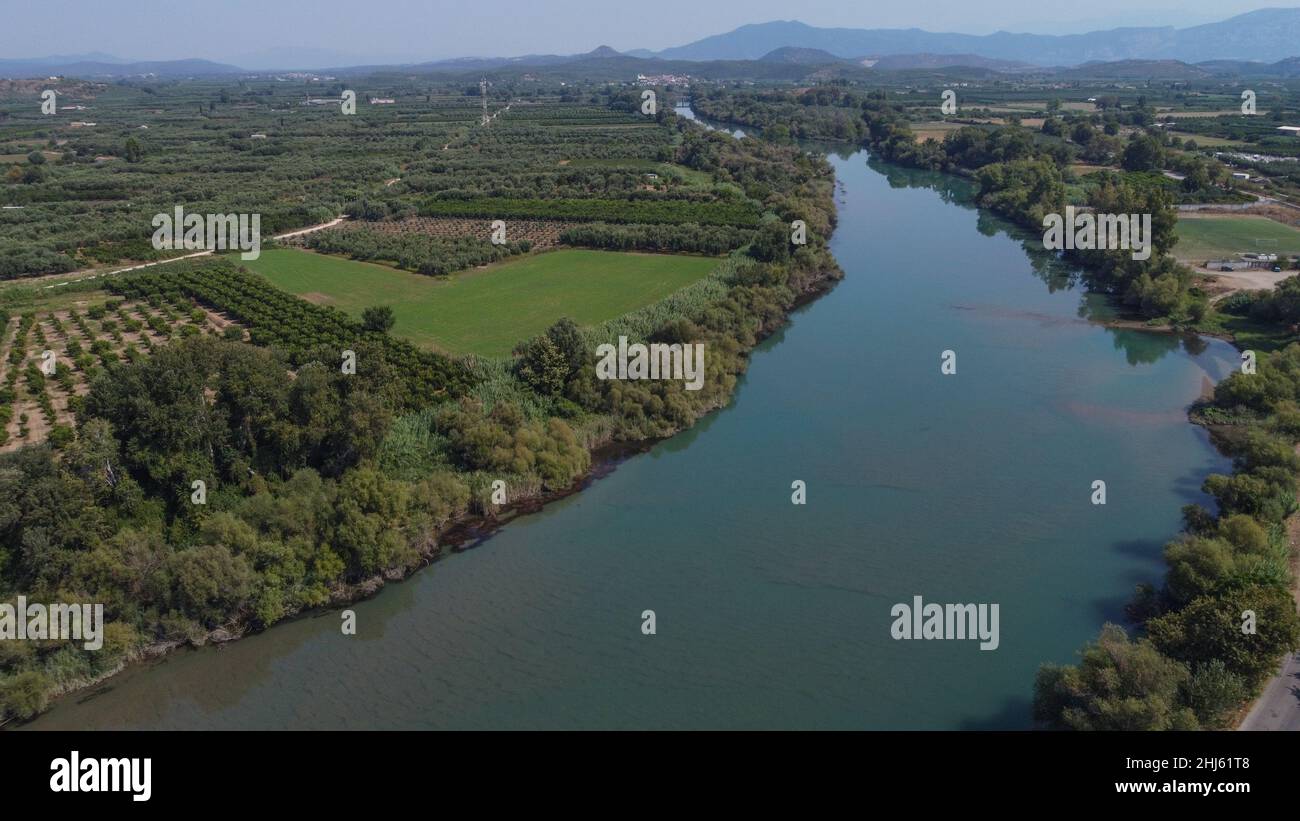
248,32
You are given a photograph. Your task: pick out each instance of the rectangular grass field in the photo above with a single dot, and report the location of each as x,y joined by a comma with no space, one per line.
1223,236
486,311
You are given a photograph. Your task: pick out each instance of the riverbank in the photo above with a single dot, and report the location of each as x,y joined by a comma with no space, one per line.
462,532
772,614
1065,697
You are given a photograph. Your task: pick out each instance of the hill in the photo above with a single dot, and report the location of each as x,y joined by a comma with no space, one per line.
906,62
1264,35
46,66
800,56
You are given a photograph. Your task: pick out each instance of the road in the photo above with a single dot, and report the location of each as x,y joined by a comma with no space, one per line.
1279,707
300,232
312,229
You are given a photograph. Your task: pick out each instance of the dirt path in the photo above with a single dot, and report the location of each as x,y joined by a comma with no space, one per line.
1227,283
321,227
118,271
313,228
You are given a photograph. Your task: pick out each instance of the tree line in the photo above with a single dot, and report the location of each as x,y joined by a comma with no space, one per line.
421,253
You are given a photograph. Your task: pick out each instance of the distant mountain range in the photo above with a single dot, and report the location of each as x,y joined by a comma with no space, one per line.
1265,35
104,66
1264,42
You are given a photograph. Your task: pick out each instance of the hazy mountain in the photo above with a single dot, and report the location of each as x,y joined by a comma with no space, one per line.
905,62
1145,69
463,64
67,59
1266,35
602,65
301,58
800,56
1284,69
90,69
1262,43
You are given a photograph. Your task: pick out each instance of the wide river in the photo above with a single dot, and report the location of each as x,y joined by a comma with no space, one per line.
973,487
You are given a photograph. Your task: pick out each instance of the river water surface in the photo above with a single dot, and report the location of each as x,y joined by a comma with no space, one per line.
973,487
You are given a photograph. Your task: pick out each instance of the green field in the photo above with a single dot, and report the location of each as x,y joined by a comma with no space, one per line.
1207,141
687,175
487,311
1223,237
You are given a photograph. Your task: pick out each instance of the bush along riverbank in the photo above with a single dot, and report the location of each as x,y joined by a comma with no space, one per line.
318,488
1206,640
1212,635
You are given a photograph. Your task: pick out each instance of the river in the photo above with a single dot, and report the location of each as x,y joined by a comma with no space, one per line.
972,487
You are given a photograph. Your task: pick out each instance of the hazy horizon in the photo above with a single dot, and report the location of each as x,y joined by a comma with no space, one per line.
327,33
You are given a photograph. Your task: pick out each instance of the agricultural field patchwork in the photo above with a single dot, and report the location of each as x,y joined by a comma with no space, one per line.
488,311
540,233
48,358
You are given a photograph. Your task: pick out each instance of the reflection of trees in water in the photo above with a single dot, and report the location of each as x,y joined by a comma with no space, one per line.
1056,273
1195,345
1141,347
1146,347
841,150
951,189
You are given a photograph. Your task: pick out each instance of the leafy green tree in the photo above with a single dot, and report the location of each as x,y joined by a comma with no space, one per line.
771,243
778,133
1118,685
1144,153
552,361
570,342
1197,566
543,367
1026,190
209,582
1215,692
24,694
1267,492
133,151
1211,627
378,318
60,436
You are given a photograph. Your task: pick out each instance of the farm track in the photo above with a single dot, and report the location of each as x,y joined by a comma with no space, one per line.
94,274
